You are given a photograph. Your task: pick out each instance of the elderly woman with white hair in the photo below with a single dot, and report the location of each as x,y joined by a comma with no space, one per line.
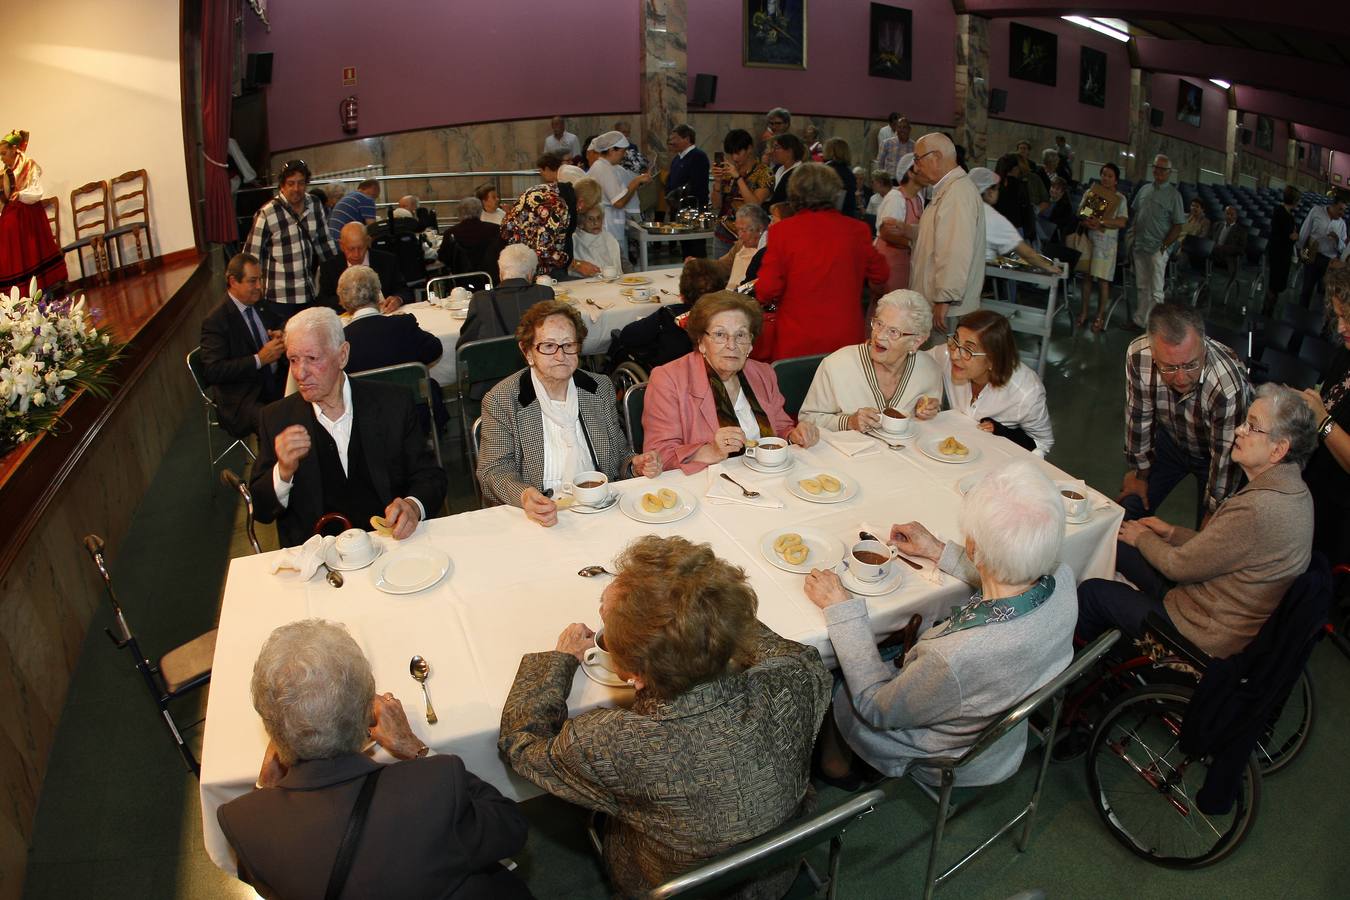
481,239
752,224
375,340
315,693
591,243
615,189
854,385
1013,635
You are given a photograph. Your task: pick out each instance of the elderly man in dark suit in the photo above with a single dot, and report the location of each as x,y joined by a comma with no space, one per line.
354,242
340,446
496,313
243,357
689,168
286,833
1230,239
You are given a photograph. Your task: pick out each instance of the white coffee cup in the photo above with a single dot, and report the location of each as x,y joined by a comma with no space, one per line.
770,451
1075,506
546,280
589,488
598,655
354,547
865,570
459,295
642,294
609,272
894,421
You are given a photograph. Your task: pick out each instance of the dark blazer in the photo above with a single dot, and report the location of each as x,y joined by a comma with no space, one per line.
238,386
496,312
690,171
780,190
286,837
385,266
482,241
850,205
426,218
395,450
378,341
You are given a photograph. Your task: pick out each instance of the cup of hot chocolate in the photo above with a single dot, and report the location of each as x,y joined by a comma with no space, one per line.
869,561
588,488
769,451
598,655
893,421
1075,500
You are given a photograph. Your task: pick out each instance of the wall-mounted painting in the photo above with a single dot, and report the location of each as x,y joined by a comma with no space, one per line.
1092,77
1265,133
889,42
1033,55
1190,102
775,34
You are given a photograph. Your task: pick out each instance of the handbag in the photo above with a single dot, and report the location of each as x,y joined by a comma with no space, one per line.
346,855
1083,244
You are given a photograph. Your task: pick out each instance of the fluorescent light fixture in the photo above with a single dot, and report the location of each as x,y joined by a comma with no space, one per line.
1097,26
1220,82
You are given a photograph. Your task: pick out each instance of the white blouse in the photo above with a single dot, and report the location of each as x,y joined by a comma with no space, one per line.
565,449
495,217
1018,404
611,188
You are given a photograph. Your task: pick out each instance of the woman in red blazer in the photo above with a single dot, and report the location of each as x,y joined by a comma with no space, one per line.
814,268
698,409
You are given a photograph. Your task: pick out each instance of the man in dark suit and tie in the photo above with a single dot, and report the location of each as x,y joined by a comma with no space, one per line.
243,357
338,445
1230,239
354,242
687,183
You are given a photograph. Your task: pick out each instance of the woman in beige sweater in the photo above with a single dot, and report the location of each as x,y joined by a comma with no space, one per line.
1219,585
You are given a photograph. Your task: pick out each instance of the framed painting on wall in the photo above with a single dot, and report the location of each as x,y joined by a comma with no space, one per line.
1190,102
1265,133
890,39
1092,77
775,34
1033,55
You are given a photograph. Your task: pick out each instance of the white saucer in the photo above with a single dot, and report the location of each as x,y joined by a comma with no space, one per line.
873,588
631,506
335,563
1079,520
410,569
755,465
459,313
825,550
601,675
590,510
965,484
848,488
928,447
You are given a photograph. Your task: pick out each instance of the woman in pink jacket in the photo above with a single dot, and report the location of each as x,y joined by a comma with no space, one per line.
699,409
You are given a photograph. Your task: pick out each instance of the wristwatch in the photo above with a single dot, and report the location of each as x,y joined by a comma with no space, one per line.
1325,428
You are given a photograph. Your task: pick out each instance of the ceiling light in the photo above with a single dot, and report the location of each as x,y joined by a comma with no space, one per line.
1220,82
1098,27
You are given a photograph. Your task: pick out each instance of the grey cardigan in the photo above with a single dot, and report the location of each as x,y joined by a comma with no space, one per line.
952,686
512,454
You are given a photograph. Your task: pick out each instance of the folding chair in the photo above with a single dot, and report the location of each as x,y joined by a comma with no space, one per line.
212,422
794,380
481,364
416,378
234,483
179,672
473,281
632,415
476,438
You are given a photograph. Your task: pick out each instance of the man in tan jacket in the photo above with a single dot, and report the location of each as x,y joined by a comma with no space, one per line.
947,265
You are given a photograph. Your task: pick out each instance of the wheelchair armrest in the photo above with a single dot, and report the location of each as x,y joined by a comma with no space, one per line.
1166,633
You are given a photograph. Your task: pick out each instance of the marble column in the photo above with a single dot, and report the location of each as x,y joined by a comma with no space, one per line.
972,87
1291,159
665,73
1230,144
1137,144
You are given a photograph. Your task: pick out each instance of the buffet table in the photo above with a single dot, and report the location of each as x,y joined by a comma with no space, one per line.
513,586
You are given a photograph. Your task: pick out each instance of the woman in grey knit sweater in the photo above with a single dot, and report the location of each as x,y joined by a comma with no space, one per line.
1014,635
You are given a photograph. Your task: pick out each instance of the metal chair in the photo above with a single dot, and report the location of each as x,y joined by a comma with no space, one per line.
1284,368
626,374
233,482
476,438
1316,352
481,281
794,380
193,361
414,377
632,415
179,672
1053,693
479,365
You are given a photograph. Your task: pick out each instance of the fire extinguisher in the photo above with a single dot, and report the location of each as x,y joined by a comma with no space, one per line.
347,114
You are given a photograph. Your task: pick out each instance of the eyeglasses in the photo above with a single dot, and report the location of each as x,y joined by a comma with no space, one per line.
550,348
922,155
1249,428
961,350
891,334
1189,367
740,338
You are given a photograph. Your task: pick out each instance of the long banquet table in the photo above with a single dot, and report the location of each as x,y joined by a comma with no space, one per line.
514,586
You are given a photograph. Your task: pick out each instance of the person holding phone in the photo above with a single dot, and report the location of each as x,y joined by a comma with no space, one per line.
738,178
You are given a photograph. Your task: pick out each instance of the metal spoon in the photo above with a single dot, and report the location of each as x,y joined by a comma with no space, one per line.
592,571
869,536
420,669
334,578
749,494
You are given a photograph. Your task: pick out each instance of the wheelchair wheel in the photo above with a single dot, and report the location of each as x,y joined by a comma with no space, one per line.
1289,729
1145,787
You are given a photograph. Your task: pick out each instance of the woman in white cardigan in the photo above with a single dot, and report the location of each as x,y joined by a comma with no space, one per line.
854,384
985,380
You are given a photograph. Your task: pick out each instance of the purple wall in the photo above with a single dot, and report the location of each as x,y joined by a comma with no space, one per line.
1340,165
1213,128
1058,106
424,65
835,82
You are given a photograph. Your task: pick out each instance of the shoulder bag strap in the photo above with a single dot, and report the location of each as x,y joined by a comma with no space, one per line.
337,879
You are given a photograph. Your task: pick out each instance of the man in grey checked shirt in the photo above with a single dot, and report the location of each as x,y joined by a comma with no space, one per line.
1155,225
290,237
1185,395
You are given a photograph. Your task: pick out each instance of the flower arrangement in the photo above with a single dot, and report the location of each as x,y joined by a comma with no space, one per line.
48,350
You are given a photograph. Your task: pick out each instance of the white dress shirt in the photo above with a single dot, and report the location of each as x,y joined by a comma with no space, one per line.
745,417
1019,404
568,145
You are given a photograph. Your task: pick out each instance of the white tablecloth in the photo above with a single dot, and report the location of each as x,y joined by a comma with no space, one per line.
618,311
513,588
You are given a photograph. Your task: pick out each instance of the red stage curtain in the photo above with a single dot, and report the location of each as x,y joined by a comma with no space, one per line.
217,36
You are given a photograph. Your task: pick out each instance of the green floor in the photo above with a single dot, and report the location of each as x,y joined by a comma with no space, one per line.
119,817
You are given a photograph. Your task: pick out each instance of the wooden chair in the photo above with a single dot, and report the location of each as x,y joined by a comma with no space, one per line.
89,214
52,207
129,202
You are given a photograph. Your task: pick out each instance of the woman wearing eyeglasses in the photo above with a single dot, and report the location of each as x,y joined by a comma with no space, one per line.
547,422
856,384
704,406
985,380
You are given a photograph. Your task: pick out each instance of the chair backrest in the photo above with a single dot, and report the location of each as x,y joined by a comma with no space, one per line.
129,198
794,380
415,378
1304,320
774,849
632,414
1281,336
194,361
474,281
411,263
1316,352
1285,368
89,208
233,482
52,207
488,360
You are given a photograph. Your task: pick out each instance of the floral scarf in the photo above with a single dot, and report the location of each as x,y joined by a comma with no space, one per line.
726,410
979,612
